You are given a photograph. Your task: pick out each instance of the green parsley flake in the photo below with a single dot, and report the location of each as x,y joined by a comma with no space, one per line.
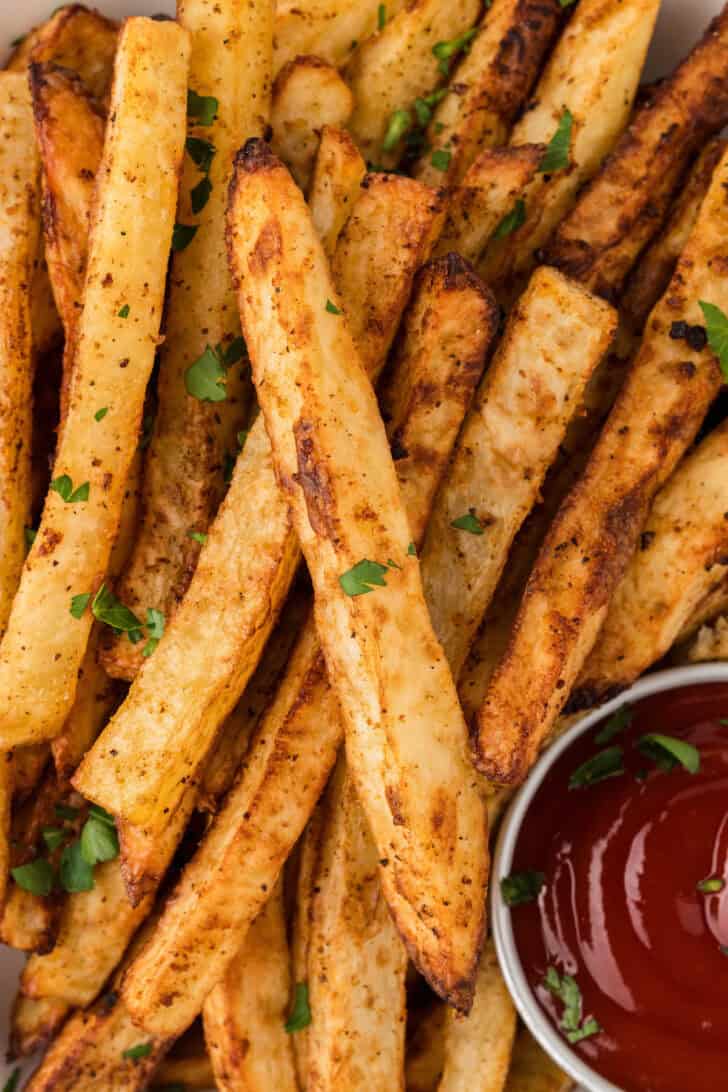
202,109
468,522
64,487
101,413
79,604
182,236
440,159
556,156
53,837
201,152
155,630
399,123
205,378
99,840
617,723
75,873
667,752
198,536
566,3
565,988
412,550
447,51
124,312
36,876
141,1050
716,327
66,811
381,16
358,580
300,1016
521,887
512,220
13,1080
200,195
30,535
333,309
604,764
112,612
235,351
711,885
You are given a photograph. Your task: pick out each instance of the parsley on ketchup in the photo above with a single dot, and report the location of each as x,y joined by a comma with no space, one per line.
630,832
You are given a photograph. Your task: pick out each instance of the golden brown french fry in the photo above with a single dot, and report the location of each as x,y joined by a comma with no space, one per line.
82,41
248,561
33,1024
555,337
708,610
28,765
593,73
44,644
245,1014
336,183
262,817
478,1046
436,871
330,29
489,87
45,322
682,557
308,93
426,1050
588,547
308,856
28,921
711,642
485,196
196,428
19,220
397,65
532,1070
626,203
356,960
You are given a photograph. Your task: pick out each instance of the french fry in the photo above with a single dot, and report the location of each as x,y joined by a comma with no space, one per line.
336,183
33,1024
308,93
184,478
555,337
356,960
308,857
262,817
485,196
44,645
478,1046
28,765
707,610
244,1016
28,922
426,1050
329,29
19,220
247,564
404,793
682,558
593,72
588,547
82,41
397,65
489,87
624,206
711,642
532,1070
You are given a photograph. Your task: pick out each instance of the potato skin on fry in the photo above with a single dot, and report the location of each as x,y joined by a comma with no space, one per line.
329,29
82,41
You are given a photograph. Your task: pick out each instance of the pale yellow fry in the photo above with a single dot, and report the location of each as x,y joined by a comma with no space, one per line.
184,479
555,337
532,1070
478,1046
329,29
489,85
335,186
245,1014
33,1023
356,960
666,394
333,461
681,558
392,68
593,72
44,645
19,221
308,93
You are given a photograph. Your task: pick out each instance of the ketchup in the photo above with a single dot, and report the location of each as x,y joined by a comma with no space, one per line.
634,901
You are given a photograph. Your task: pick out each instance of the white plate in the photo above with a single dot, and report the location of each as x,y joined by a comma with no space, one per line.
680,24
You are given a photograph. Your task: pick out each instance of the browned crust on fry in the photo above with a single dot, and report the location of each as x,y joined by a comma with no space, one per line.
33,1024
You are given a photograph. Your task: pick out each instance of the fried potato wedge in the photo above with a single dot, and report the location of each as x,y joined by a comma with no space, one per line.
682,558
625,204
478,1046
335,185
44,644
306,864
19,224
707,610
487,194
290,757
325,428
247,564
711,642
329,29
656,265
245,1015
356,960
308,93
666,394
489,86
395,66
593,73
532,1070
82,41
555,337
196,429
33,1024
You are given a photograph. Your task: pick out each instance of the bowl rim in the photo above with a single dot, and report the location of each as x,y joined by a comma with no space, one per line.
533,1016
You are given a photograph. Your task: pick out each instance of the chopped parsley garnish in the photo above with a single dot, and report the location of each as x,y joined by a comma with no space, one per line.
201,152
412,550
711,885
99,840
235,351
565,988
182,235
101,413
13,1080
110,610
300,1016
30,535
332,308
556,156
617,723
667,752
155,630
468,522
604,764
201,108
363,577
447,51
399,123
440,159
716,327
200,195
64,487
512,220
76,874
521,887
124,312
146,433
53,837
141,1050
566,3
36,876
381,16
205,378
198,536
79,604
67,811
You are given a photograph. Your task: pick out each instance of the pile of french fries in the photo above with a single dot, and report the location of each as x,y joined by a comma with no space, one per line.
361,421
